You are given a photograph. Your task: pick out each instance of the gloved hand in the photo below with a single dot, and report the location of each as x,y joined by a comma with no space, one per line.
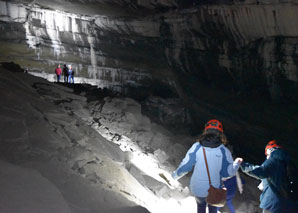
239,160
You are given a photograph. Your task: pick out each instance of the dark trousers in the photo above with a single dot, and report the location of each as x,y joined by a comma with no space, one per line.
66,78
230,205
231,185
201,206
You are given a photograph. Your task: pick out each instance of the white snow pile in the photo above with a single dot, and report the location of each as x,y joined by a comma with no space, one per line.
61,153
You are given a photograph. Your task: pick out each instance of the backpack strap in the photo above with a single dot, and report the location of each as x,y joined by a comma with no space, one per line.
207,166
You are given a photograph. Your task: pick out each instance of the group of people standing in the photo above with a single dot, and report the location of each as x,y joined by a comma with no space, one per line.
223,169
68,73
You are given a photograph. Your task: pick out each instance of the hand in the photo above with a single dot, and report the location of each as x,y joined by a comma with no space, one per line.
239,160
260,186
175,183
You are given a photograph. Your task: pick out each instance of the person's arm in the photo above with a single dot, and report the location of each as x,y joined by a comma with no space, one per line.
259,172
188,162
229,167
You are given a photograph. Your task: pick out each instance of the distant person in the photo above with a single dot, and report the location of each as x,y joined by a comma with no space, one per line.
273,174
231,184
65,73
220,163
70,74
58,72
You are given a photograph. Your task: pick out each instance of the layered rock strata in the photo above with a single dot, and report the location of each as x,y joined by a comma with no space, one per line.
249,48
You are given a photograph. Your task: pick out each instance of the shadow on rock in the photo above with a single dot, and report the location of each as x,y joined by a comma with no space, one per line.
134,209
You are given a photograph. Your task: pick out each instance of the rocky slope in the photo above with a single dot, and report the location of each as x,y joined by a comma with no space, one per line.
76,148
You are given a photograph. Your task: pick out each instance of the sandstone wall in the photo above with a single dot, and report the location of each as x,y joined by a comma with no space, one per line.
248,47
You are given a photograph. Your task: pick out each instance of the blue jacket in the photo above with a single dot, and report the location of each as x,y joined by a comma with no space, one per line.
220,163
70,72
272,173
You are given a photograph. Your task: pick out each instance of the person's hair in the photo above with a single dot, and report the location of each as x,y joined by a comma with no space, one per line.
211,133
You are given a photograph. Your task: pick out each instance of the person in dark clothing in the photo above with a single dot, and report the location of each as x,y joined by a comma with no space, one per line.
65,73
273,174
220,163
231,184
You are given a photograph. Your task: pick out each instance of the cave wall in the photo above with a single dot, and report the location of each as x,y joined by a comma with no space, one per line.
249,48
39,38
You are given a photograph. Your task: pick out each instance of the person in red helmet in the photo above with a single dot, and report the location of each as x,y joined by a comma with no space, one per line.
273,175
219,160
214,124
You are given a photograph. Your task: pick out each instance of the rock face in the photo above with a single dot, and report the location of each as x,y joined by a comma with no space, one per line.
249,48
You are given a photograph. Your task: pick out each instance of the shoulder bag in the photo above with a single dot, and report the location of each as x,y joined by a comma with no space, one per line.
216,197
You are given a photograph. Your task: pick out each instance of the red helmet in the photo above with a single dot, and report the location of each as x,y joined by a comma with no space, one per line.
272,144
214,124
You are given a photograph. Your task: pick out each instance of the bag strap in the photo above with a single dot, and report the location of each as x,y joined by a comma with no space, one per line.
206,165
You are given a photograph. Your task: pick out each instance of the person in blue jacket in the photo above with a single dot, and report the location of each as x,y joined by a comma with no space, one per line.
220,163
272,173
70,74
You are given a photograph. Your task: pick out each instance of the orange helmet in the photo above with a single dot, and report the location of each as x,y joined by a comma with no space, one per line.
272,144
214,124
